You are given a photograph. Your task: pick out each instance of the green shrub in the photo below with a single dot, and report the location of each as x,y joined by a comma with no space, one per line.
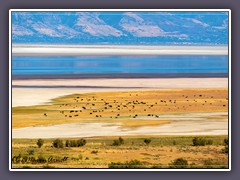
226,148
225,141
81,142
199,141
179,163
41,159
121,140
30,151
40,143
75,143
209,142
174,142
57,143
118,142
67,143
147,141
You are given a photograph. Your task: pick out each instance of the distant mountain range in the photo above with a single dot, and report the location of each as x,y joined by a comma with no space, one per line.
165,28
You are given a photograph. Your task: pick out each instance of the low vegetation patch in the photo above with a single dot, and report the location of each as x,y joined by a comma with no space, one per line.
30,151
147,141
133,164
198,141
225,149
75,143
40,143
179,163
57,143
122,152
214,163
118,142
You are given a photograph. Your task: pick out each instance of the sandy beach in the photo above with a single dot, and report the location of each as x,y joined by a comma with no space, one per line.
40,91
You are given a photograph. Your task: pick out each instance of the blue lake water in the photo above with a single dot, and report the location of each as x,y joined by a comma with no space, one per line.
126,66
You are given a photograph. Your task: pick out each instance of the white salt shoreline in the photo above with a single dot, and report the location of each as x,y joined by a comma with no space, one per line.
188,124
99,50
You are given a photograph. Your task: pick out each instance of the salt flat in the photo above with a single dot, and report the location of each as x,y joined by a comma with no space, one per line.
185,126
99,50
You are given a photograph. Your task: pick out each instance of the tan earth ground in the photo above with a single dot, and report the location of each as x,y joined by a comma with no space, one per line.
196,111
139,105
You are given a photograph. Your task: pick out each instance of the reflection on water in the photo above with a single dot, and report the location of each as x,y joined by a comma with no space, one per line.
128,65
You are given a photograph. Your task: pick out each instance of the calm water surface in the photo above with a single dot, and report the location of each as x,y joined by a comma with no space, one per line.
121,65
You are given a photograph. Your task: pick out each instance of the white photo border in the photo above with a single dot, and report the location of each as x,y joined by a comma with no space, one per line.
118,10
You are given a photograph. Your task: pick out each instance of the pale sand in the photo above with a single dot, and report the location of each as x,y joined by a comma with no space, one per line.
34,92
98,50
188,124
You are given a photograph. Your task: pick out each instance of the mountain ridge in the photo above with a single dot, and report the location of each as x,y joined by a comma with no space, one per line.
164,28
